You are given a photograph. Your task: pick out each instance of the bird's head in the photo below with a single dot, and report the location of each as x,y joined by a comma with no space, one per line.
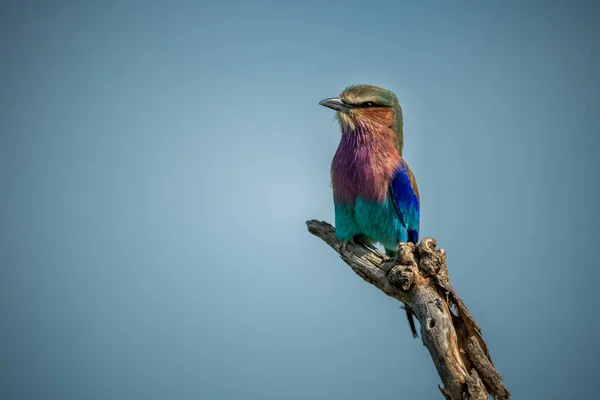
367,107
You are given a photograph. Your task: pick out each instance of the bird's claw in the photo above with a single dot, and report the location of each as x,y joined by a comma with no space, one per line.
343,247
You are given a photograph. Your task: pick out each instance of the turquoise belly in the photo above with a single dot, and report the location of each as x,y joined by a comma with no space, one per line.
377,221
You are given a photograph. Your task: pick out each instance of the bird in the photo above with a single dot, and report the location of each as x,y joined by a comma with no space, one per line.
375,194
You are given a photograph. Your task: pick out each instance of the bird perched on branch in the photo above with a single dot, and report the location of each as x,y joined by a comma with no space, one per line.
375,193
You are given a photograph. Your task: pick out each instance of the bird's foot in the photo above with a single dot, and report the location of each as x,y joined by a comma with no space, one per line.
343,247
389,262
392,255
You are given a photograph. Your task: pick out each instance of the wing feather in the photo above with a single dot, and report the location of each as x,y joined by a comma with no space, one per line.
405,194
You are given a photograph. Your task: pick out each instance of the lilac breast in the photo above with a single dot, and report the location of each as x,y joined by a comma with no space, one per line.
363,166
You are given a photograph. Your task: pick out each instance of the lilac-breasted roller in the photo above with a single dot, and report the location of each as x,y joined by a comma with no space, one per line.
375,193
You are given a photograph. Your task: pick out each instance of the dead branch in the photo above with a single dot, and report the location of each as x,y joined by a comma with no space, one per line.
419,279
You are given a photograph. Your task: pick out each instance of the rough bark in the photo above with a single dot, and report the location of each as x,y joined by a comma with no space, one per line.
419,279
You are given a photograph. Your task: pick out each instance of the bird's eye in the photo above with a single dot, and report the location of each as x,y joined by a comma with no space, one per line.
367,104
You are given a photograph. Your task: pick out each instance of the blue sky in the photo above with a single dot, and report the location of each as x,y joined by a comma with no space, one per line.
159,159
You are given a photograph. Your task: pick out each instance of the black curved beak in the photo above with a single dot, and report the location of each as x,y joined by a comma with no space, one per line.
336,104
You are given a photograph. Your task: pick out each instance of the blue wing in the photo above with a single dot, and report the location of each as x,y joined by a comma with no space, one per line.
405,193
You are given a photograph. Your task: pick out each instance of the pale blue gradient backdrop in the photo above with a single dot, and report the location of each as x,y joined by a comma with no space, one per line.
158,162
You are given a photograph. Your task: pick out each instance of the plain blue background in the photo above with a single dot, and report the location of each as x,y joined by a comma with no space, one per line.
158,161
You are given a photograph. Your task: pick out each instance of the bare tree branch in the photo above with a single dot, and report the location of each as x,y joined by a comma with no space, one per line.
419,278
